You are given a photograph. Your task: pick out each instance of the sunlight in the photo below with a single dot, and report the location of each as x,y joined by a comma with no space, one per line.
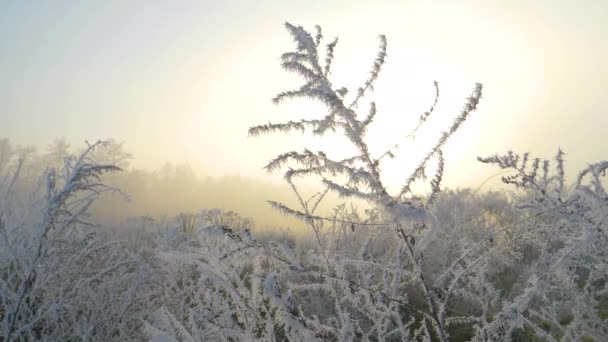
403,93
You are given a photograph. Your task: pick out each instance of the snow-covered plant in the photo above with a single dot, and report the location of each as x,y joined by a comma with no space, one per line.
57,280
566,238
220,284
228,218
362,171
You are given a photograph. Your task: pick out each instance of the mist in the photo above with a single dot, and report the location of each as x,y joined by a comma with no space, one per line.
173,190
161,193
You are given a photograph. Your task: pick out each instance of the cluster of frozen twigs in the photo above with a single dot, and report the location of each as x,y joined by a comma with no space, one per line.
493,271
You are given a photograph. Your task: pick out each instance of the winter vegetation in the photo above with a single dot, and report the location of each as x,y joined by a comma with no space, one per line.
528,264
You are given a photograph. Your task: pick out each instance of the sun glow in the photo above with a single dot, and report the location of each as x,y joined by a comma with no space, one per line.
402,94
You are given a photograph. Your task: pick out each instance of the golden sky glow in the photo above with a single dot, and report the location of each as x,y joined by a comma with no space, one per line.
183,82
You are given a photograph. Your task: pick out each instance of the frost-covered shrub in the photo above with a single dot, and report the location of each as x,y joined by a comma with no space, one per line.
219,284
561,249
58,280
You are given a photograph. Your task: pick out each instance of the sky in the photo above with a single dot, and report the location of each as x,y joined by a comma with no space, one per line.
182,81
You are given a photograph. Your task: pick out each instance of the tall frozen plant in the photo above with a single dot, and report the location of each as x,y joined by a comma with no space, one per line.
361,172
35,255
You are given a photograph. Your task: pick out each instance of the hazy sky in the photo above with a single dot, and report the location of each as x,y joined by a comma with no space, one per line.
182,81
